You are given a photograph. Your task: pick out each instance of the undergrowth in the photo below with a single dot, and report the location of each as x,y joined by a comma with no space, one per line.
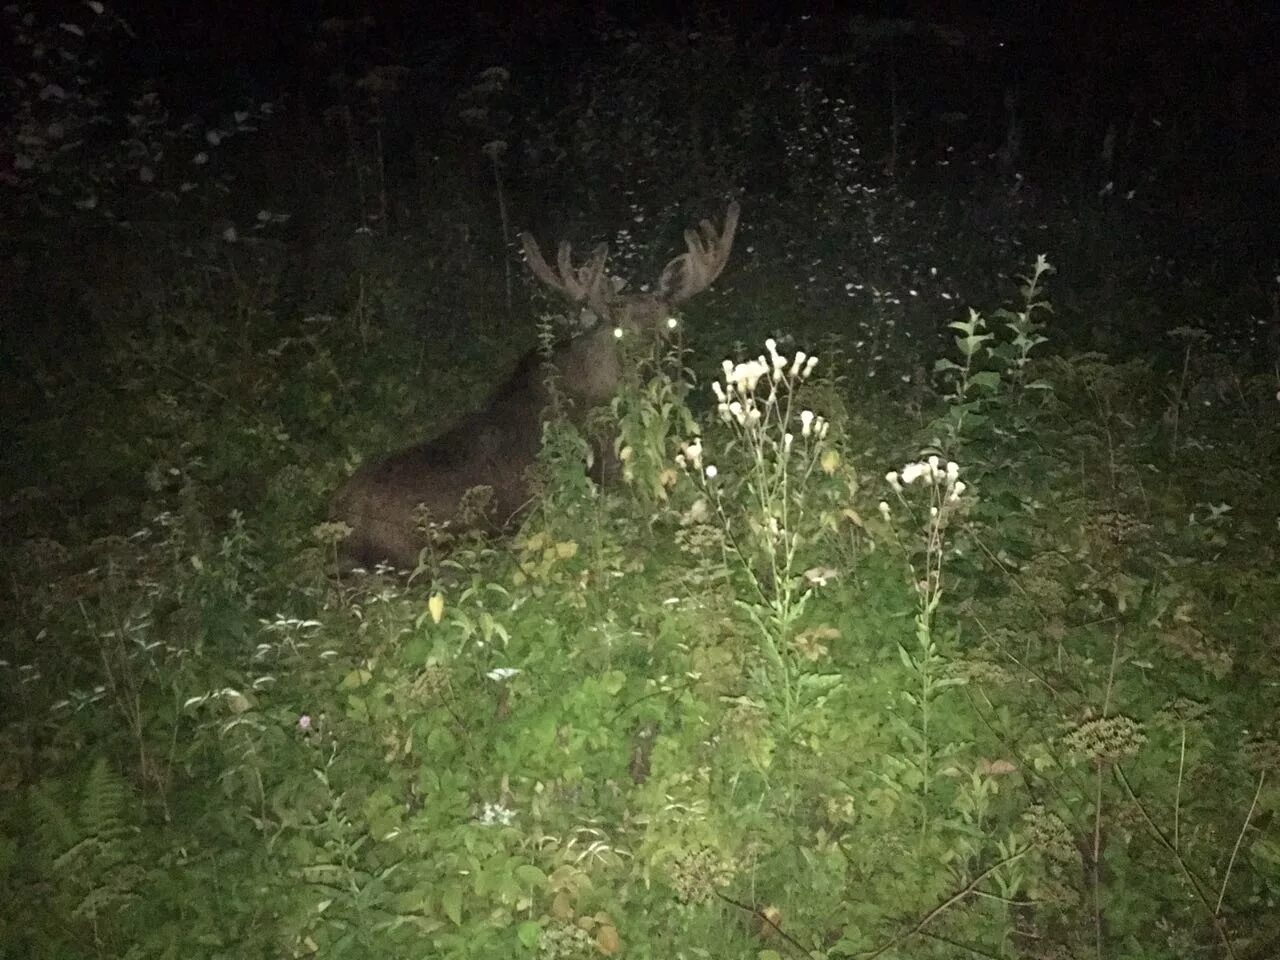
773,693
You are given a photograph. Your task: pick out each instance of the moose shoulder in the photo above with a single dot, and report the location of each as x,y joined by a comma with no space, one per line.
496,446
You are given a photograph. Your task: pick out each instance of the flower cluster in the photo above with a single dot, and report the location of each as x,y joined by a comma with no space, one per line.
736,397
1106,739
931,473
697,874
690,457
495,815
754,396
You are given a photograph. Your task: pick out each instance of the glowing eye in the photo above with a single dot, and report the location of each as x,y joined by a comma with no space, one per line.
618,333
672,323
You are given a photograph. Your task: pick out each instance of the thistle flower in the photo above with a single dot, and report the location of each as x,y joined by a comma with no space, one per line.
912,472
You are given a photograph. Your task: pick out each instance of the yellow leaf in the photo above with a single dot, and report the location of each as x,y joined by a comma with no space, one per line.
852,516
770,921
436,606
562,906
567,549
830,462
607,940
239,703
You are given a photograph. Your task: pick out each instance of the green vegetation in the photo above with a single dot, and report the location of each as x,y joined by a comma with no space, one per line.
939,646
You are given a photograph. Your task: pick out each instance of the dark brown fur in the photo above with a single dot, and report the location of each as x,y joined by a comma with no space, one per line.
496,446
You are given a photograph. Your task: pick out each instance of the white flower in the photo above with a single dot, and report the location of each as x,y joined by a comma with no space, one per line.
891,478
957,490
913,471
717,390
808,367
953,470
495,814
787,440
884,507
776,360
798,363
693,452
820,576
711,471
806,422
746,375
502,673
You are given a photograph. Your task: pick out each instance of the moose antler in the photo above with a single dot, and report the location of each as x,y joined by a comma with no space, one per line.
694,271
688,274
583,284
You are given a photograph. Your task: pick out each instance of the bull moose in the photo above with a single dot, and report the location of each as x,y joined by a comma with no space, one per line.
496,446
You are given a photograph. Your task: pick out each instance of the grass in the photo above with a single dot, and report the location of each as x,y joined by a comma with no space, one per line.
1041,719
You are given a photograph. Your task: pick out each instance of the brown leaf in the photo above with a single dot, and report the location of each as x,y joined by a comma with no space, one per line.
607,940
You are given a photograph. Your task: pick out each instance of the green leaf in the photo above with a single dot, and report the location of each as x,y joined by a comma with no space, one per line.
529,933
820,682
451,903
530,876
355,679
613,682
987,379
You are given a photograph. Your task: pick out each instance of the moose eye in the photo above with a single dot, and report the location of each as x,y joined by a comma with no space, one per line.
618,333
672,323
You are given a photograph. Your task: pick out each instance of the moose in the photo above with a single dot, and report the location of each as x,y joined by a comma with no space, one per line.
496,446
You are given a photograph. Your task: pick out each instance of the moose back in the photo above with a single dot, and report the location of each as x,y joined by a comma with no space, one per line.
496,446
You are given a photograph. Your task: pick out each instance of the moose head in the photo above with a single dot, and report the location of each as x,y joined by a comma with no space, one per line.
495,447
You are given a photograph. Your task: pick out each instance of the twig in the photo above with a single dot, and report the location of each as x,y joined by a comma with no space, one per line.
1226,876
1182,864
764,919
944,905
